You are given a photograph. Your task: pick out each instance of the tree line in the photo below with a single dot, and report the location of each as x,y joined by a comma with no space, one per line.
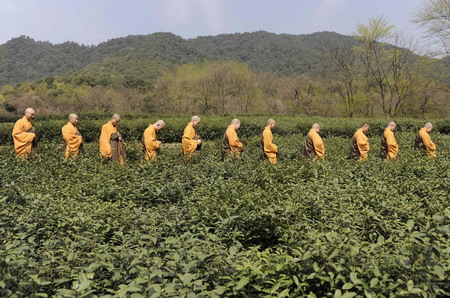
378,73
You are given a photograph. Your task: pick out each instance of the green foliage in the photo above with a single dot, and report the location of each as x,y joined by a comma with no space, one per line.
132,126
147,56
236,228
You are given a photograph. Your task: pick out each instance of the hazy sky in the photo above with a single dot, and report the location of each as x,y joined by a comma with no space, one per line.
94,21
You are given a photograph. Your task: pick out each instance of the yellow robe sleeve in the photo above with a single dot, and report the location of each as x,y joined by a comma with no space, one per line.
105,138
428,143
233,139
151,144
391,144
189,143
72,138
319,147
269,147
363,145
23,140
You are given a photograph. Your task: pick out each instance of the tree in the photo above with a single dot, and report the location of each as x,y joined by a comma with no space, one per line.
346,78
434,17
388,67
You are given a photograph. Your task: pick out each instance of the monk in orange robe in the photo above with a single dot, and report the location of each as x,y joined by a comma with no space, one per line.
424,142
24,135
360,144
72,139
231,146
111,142
314,147
389,146
149,142
269,149
191,142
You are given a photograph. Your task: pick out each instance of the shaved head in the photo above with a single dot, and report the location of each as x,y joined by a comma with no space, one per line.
195,120
428,127
158,125
29,110
30,113
316,127
236,123
115,119
270,122
365,127
73,118
392,125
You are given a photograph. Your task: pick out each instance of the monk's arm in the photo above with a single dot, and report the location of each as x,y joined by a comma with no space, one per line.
150,142
391,142
268,145
318,145
363,145
234,141
105,141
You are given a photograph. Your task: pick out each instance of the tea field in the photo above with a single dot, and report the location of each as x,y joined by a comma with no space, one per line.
241,228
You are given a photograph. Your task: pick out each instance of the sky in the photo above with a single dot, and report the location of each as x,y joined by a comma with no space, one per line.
94,21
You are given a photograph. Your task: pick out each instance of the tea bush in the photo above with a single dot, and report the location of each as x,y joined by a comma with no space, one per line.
212,127
238,228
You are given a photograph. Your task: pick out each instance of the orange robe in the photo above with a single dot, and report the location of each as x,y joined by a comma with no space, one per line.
423,141
189,140
72,140
24,137
231,144
314,146
360,146
151,145
111,144
269,148
389,146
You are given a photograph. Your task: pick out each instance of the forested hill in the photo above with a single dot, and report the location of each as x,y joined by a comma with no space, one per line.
146,56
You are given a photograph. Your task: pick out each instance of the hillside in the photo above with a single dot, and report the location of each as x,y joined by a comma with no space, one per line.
146,56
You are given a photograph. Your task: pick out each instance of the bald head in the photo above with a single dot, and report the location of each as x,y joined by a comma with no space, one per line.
195,120
30,113
115,119
270,123
392,125
428,126
316,127
73,118
158,125
365,127
236,123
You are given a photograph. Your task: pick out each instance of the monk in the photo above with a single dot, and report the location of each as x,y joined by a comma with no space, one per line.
389,146
150,144
24,135
191,142
424,142
72,139
314,147
269,149
231,146
360,144
111,141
